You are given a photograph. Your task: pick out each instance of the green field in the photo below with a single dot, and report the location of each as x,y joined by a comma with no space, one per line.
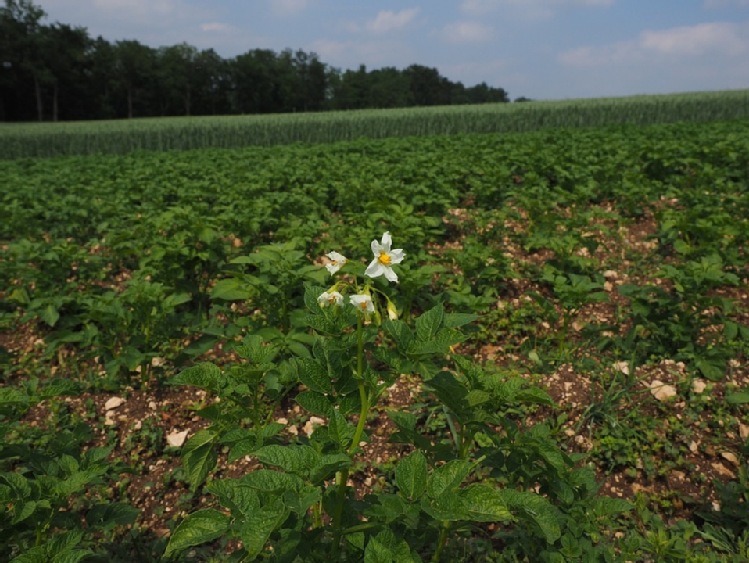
124,136
566,379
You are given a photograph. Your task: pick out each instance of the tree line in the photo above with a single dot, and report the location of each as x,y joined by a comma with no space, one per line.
58,71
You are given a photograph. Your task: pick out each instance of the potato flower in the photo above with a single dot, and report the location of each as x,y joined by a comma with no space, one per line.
384,258
337,261
392,311
330,298
362,302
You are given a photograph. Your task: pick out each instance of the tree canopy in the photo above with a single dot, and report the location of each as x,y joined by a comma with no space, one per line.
59,72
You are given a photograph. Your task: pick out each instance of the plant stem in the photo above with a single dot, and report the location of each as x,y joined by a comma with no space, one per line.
441,542
342,476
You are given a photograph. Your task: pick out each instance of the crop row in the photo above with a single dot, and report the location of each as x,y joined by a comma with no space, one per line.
554,250
119,137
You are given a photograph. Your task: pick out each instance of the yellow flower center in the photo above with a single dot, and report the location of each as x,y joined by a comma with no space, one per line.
332,300
384,259
363,305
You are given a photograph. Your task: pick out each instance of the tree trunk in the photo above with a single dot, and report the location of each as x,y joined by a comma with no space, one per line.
188,101
55,109
38,92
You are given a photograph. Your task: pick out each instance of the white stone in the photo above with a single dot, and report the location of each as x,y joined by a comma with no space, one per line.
176,439
662,391
113,403
730,457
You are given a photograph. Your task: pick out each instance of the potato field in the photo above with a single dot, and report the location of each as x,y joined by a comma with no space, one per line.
399,336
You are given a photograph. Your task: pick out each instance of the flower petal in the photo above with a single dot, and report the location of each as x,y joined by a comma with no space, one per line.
397,256
375,269
390,274
387,241
336,257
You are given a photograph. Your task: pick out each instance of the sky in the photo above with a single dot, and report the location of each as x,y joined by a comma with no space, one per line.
540,49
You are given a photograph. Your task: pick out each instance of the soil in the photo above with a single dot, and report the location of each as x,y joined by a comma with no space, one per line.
146,421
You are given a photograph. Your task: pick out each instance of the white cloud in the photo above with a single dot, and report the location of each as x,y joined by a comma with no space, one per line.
216,27
388,21
726,38
467,32
722,39
529,8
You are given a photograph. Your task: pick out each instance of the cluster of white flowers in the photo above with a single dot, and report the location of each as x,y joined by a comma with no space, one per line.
381,265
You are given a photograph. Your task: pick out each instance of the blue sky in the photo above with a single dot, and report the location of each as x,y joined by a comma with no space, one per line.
542,49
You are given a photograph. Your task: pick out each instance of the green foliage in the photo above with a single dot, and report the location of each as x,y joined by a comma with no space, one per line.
571,250
42,477
300,503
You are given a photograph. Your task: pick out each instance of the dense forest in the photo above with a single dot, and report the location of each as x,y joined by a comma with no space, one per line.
57,71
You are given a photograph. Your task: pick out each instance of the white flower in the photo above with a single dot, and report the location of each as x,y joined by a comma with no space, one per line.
362,302
384,258
330,298
392,311
337,260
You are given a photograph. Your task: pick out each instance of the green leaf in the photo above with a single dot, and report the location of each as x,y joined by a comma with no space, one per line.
60,549
199,527
50,315
477,397
455,320
176,299
199,457
429,323
76,482
399,332
712,370
205,376
59,387
411,475
739,398
608,506
447,507
18,484
484,503
386,547
255,349
243,448
270,481
388,509
315,376
27,509
407,433
439,343
236,495
231,289
448,477
534,508
328,465
294,459
258,527
340,430
107,516
10,396
315,403
452,393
